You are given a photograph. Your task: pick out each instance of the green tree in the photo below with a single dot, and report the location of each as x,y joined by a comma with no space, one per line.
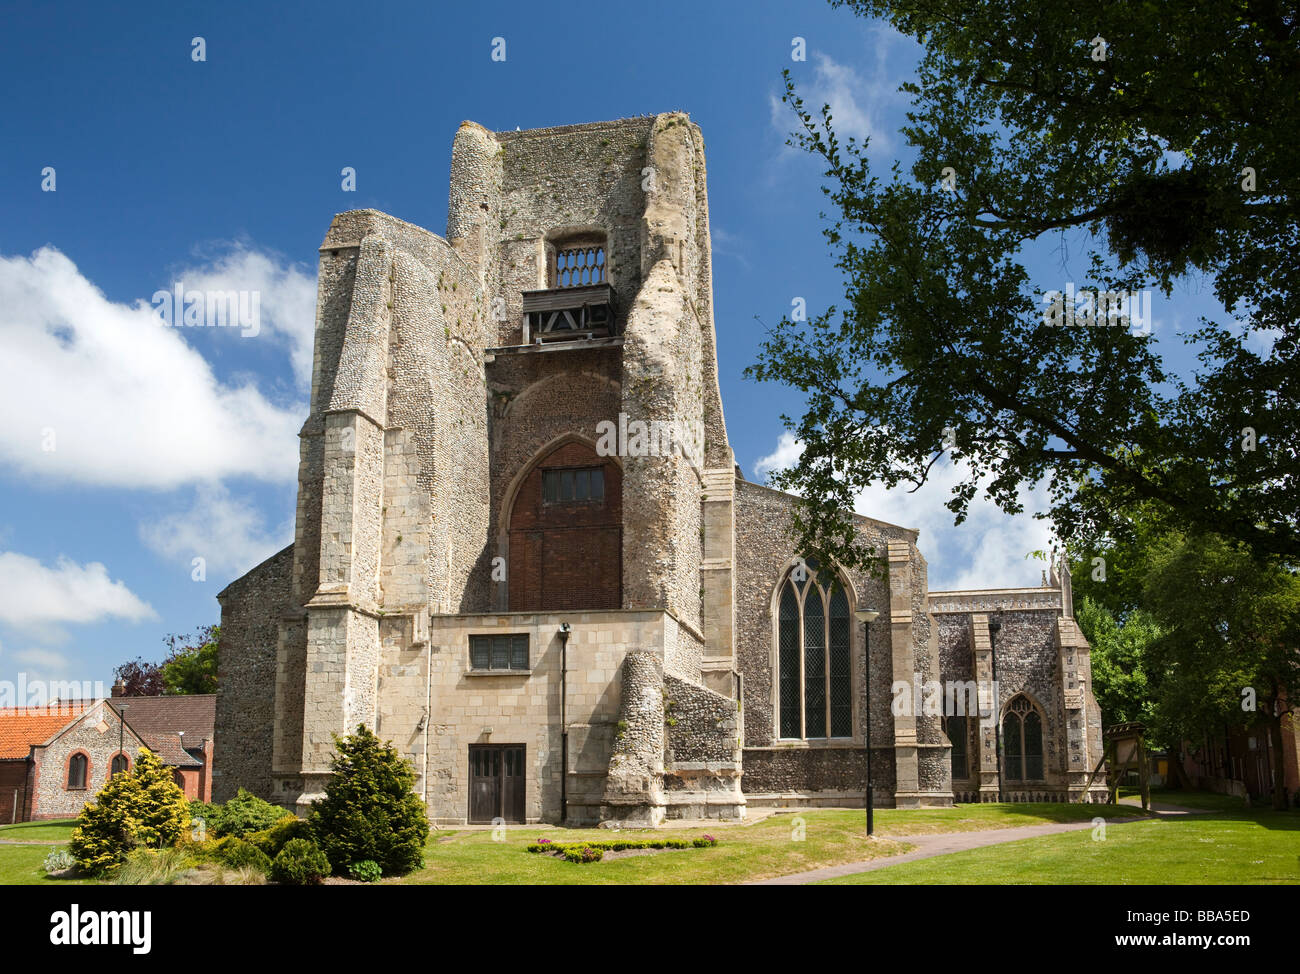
370,810
1160,137
1228,652
191,665
1119,661
141,808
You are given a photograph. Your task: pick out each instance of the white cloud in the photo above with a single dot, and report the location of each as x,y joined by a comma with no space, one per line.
46,660
32,594
287,298
857,103
988,550
96,392
229,534
787,453
727,244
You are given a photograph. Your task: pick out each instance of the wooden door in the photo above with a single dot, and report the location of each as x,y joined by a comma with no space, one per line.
497,782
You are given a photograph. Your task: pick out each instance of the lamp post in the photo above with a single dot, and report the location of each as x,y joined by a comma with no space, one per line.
866,617
121,726
994,626
565,629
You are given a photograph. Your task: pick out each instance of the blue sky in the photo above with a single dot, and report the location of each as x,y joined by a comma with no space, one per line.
129,450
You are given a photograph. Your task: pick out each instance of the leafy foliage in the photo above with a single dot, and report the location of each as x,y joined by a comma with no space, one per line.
58,860
141,678
1194,632
1119,660
272,840
239,854
367,871
1022,135
243,815
141,807
191,664
1230,632
369,810
300,863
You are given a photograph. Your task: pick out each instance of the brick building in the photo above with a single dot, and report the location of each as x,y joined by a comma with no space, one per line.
525,554
54,759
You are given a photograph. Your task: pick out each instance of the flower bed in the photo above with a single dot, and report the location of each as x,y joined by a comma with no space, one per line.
583,852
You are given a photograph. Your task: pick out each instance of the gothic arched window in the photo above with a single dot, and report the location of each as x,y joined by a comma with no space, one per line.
1022,741
814,656
119,765
78,765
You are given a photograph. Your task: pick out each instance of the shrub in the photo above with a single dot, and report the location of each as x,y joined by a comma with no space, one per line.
239,854
245,814
142,807
300,863
204,820
367,870
272,840
369,810
583,853
58,861
153,867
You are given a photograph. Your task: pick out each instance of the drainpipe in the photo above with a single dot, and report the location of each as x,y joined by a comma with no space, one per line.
564,725
994,627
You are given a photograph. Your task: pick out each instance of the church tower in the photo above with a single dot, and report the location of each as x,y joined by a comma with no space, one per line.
514,543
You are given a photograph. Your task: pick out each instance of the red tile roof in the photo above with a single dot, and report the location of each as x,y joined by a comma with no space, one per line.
173,727
21,727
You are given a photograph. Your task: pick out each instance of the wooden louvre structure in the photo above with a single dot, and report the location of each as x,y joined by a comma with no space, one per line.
568,313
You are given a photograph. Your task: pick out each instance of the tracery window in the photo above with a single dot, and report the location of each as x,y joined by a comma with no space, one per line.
814,656
578,266
1022,741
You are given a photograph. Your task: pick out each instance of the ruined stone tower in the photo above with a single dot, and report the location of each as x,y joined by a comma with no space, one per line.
453,482
516,551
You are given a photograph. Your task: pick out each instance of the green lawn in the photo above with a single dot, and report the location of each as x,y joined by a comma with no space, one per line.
1205,800
1219,847
767,848
20,865
758,851
971,818
59,830
1228,842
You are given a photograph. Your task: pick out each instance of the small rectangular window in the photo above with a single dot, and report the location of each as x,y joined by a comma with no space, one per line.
505,652
579,486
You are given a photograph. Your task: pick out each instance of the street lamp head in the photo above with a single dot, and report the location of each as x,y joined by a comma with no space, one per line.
866,615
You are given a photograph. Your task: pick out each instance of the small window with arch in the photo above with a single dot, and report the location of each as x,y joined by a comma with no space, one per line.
578,265
78,768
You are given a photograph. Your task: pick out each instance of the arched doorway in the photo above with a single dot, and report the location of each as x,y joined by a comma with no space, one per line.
566,533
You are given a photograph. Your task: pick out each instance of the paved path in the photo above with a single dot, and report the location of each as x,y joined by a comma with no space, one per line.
943,843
